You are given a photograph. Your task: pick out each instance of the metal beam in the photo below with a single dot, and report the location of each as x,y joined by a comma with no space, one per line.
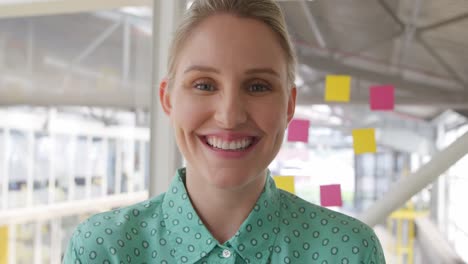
24,8
410,30
392,14
126,56
396,78
313,24
358,52
443,103
419,35
406,187
96,43
333,66
121,98
442,23
441,60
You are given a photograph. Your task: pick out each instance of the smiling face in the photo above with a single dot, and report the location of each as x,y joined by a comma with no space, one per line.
229,101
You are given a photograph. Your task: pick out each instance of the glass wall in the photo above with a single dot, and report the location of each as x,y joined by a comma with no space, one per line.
74,125
454,217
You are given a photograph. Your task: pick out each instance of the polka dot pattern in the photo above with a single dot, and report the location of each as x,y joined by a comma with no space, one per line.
282,228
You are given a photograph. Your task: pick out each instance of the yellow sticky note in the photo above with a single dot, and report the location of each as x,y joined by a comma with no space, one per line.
285,183
337,88
3,245
364,141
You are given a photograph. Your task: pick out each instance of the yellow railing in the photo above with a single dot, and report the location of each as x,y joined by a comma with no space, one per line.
3,245
404,243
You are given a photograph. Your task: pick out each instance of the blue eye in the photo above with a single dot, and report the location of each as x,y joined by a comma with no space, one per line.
204,86
258,87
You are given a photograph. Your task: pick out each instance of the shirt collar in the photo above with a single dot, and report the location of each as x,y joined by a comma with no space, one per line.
189,237
256,236
186,232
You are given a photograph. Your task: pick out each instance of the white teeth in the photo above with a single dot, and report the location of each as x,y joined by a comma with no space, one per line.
239,145
231,145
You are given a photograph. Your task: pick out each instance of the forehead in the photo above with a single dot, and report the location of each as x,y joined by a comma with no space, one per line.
228,42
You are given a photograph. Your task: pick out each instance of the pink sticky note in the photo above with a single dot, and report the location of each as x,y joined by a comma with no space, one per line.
330,195
298,130
382,97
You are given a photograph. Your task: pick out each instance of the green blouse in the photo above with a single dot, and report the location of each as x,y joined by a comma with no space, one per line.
281,228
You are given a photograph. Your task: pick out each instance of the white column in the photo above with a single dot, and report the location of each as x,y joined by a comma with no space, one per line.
105,154
142,163
31,142
406,187
37,243
71,168
12,243
88,171
55,241
118,166
52,175
165,157
131,167
442,199
6,169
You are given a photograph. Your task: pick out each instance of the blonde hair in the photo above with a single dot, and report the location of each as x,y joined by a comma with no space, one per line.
266,11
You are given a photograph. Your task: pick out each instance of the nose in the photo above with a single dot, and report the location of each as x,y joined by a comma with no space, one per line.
231,111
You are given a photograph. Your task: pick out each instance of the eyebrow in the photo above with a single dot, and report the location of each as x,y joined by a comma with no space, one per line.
263,70
201,68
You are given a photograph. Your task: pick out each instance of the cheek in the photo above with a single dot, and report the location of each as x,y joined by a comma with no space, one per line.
271,117
188,113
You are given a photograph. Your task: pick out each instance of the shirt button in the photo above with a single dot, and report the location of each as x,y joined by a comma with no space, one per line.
226,253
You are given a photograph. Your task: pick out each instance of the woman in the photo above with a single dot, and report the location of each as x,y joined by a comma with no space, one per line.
230,95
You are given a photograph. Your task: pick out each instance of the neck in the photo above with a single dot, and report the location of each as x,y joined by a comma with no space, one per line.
223,210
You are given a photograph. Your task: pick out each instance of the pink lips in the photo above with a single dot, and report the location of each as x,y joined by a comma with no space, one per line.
230,137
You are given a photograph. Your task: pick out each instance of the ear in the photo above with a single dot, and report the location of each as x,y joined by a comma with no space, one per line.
292,103
164,96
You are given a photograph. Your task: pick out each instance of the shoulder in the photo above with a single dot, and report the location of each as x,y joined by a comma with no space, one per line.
104,234
339,236
120,217
297,209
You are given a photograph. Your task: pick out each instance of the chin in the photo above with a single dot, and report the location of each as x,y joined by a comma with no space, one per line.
233,178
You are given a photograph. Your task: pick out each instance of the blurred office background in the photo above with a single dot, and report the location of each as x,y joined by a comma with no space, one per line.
77,114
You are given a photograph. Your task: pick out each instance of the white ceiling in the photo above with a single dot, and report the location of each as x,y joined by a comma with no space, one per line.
24,8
